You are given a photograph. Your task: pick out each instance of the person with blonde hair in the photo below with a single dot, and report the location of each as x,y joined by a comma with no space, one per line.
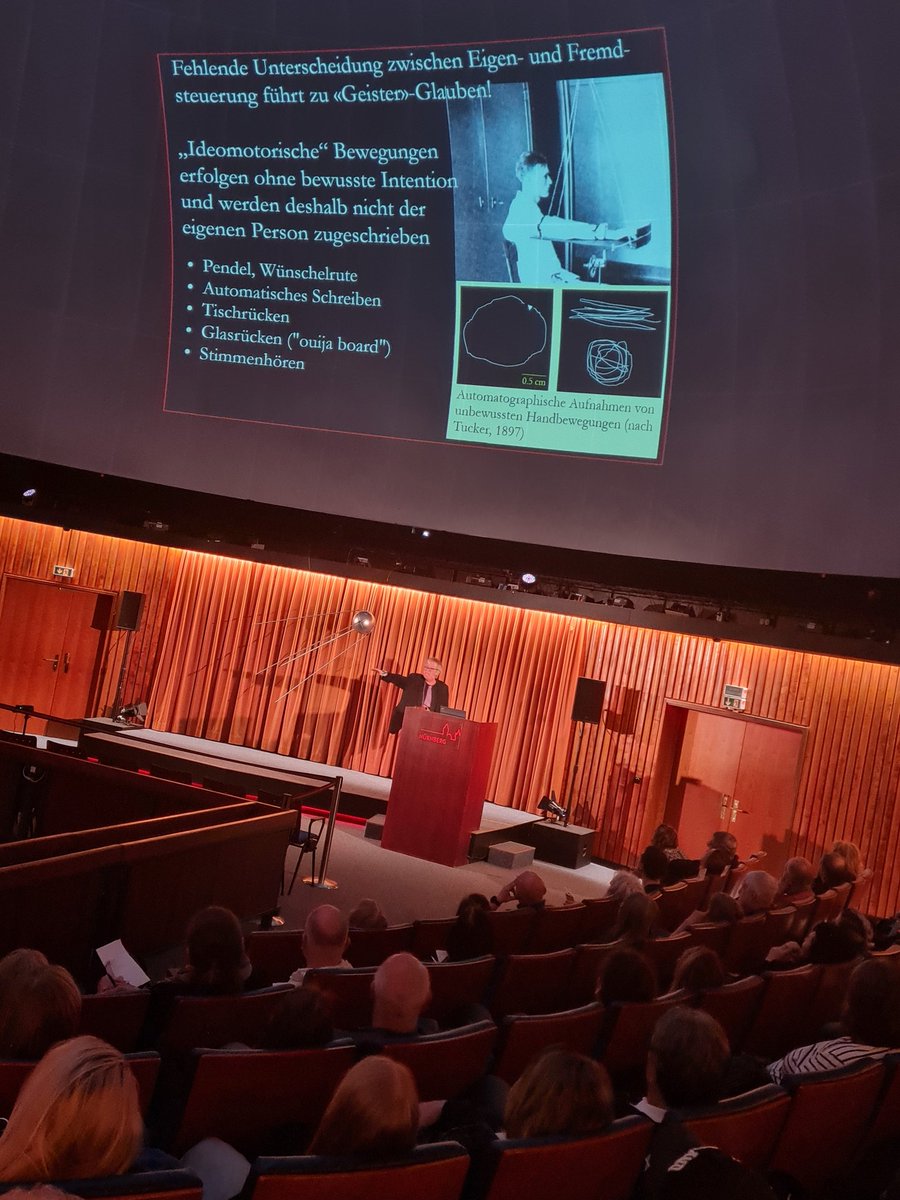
559,1093
623,883
373,1114
849,852
77,1116
40,1004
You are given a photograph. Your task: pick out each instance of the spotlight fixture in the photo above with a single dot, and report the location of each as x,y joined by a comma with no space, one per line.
528,579
29,496
619,601
680,609
548,806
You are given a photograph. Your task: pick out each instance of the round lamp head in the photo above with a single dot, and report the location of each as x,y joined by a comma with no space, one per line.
363,622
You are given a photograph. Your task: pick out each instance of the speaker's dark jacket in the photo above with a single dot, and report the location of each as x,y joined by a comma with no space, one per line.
413,693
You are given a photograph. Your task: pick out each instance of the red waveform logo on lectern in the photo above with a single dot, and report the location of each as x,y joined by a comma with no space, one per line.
446,737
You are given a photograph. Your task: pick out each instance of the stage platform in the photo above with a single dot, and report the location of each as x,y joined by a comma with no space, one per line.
362,795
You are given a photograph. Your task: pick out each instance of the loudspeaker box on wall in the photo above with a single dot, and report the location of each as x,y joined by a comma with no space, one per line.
131,605
588,701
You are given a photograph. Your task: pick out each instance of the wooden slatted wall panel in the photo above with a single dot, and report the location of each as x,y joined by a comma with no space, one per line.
213,627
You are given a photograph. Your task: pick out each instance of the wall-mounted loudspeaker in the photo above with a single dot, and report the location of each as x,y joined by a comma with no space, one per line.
131,605
588,701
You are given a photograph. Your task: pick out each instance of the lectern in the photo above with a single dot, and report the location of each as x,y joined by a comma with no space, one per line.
438,789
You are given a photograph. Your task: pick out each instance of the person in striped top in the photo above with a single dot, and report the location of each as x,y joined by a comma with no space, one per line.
871,1018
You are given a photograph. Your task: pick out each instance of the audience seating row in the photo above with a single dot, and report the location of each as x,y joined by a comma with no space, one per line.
808,1132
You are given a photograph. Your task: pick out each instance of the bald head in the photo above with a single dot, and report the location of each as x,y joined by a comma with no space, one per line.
401,990
530,888
325,937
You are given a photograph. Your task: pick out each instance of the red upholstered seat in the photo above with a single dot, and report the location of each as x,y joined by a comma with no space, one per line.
664,954
714,934
782,1015
532,983
629,1028
370,947
244,1096
523,1037
437,1172
116,1017
734,1005
215,1020
828,1115
512,930
458,985
885,1124
600,916
144,1066
275,953
586,970
746,1127
348,993
445,1064
747,945
556,929
605,1165
429,936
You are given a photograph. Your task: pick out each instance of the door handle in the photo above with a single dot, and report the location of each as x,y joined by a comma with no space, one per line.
54,662
735,809
66,663
723,807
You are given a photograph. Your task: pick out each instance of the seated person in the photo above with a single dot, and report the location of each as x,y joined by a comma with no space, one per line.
849,852
367,915
833,872
795,884
723,840
533,233
527,889
722,910
653,868
326,935
77,1116
559,1093
401,991
623,883
373,1114
40,1005
871,1018
687,1062
756,892
697,969
827,942
638,921
472,935
665,838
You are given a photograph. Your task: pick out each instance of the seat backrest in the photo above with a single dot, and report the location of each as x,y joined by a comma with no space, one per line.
445,1064
746,949
149,1185
525,1036
245,1096
456,986
599,918
437,1171
859,892
586,970
214,1020
370,947
782,1012
603,1165
429,936
803,910
714,934
116,1017
347,992
556,929
144,1066
734,1005
746,1127
780,925
827,1002
825,1123
674,904
275,953
664,954
885,1124
532,983
629,1031
734,877
512,929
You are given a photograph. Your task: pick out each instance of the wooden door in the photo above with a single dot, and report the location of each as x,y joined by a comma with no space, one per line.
51,636
734,773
